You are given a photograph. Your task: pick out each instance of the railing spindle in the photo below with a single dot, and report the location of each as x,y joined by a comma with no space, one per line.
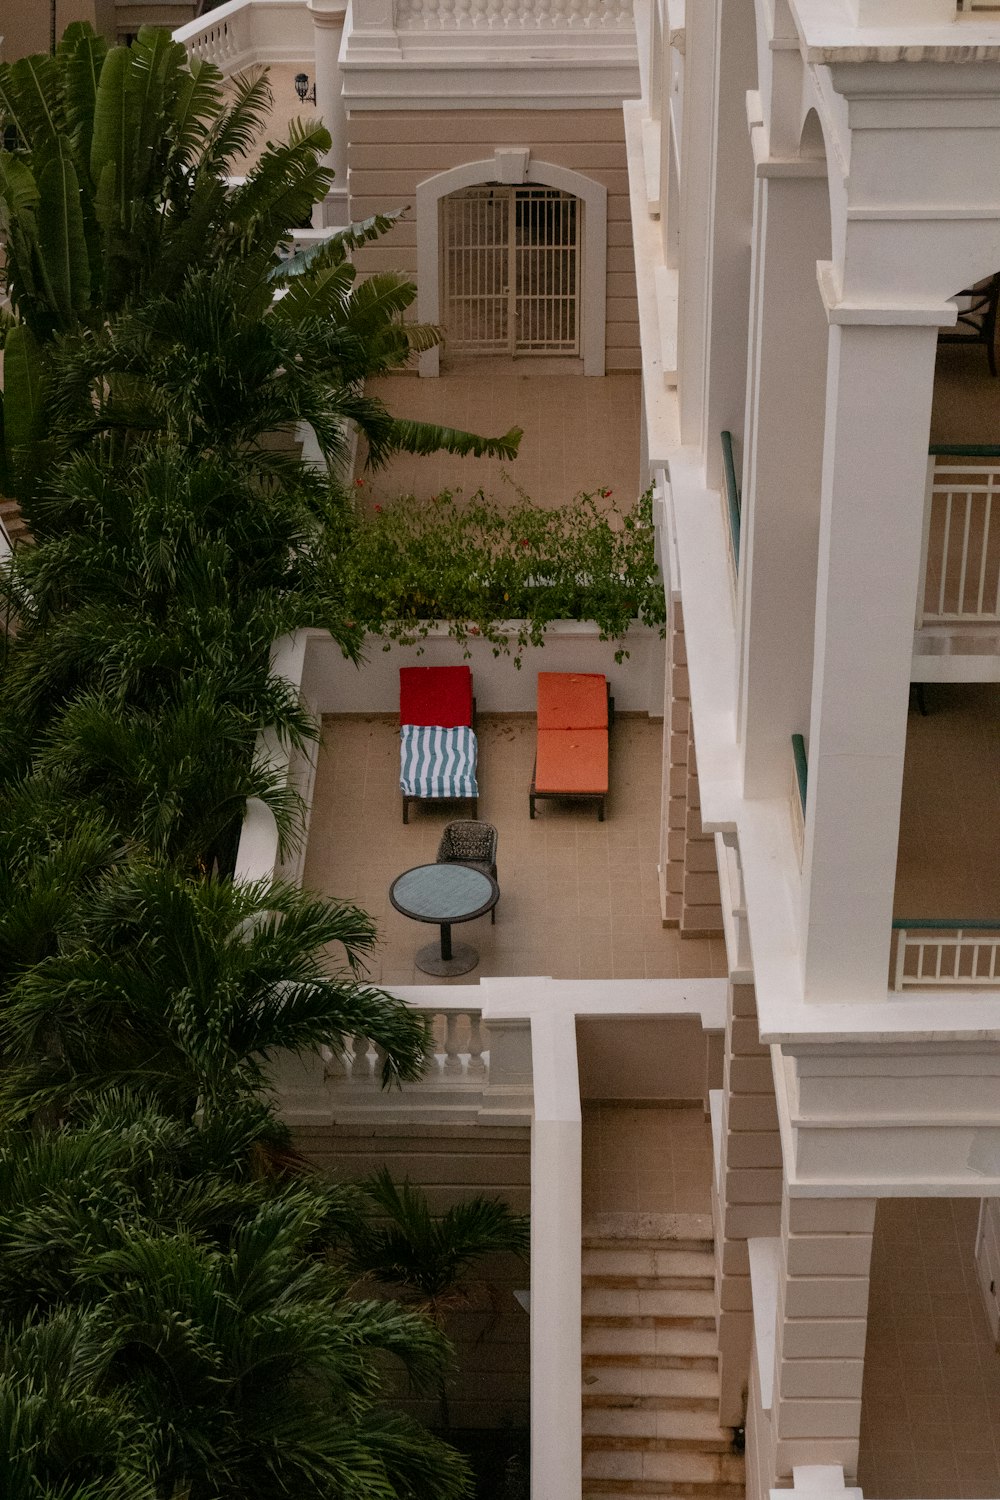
477,1067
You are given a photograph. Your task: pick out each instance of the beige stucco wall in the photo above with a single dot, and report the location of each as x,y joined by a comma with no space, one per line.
391,151
24,24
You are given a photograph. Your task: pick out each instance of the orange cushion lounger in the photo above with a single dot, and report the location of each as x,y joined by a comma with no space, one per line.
572,700
572,757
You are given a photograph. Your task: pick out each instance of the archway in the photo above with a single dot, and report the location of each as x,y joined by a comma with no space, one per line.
512,168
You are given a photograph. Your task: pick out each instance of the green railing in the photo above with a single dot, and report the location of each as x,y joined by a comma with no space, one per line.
801,768
733,504
964,450
945,924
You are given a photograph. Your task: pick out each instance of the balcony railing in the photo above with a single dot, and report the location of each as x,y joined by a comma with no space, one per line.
242,32
934,951
512,15
469,1075
734,505
460,1057
961,549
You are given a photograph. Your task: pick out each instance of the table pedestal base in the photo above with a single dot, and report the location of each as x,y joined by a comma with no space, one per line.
463,958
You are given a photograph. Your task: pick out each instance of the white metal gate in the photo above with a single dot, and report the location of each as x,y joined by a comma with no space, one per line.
511,270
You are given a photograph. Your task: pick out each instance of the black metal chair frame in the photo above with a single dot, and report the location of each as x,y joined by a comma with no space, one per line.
487,847
977,323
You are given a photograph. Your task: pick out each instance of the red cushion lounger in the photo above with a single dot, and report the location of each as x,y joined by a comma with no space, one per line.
574,711
438,750
435,695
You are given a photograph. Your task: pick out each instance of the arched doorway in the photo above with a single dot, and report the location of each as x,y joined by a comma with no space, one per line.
528,261
510,270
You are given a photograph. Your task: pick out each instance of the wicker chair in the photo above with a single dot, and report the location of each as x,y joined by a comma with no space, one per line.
468,842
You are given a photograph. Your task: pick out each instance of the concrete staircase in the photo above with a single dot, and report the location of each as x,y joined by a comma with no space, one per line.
650,1363
13,522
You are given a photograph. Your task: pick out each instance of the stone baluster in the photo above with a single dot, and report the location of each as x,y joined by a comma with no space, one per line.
452,1059
477,1064
360,1072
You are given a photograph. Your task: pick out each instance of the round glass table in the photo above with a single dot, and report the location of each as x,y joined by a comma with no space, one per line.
444,894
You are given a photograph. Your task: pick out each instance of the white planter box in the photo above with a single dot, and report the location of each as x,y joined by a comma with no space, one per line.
334,685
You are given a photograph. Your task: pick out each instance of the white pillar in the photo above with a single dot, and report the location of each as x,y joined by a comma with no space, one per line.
879,387
328,31
701,40
783,465
730,208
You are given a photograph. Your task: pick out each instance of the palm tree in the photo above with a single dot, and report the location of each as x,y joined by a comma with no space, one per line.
427,1261
183,990
65,1432
120,193
184,1322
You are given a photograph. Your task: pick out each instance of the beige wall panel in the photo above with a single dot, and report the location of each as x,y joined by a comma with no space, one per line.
620,233
622,284
497,126
24,24
620,262
434,156
623,310
391,152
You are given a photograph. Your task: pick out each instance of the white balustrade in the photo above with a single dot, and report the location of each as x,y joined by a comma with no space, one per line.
245,32
947,956
961,544
459,1056
513,15
223,37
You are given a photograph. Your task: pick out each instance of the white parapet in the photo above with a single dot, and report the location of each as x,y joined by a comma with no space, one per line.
245,32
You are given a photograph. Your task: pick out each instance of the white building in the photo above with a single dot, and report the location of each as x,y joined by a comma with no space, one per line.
776,209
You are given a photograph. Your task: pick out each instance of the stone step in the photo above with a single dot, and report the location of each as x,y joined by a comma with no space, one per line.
650,1283
631,1302
677,1231
628,1341
629,1401
648,1335
647,1260
662,1465
668,1427
623,1489
633,1380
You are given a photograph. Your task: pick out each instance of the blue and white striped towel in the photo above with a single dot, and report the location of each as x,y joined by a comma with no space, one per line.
436,762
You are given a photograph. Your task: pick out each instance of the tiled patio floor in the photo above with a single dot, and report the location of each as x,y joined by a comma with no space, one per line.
580,432
646,1160
930,1409
950,819
578,898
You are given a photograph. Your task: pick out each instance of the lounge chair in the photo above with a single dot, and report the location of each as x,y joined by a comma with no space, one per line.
575,710
437,743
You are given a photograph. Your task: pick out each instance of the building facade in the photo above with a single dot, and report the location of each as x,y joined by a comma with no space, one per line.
786,215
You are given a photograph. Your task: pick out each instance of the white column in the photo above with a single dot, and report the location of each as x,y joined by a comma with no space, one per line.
879,387
701,41
328,30
731,209
783,465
